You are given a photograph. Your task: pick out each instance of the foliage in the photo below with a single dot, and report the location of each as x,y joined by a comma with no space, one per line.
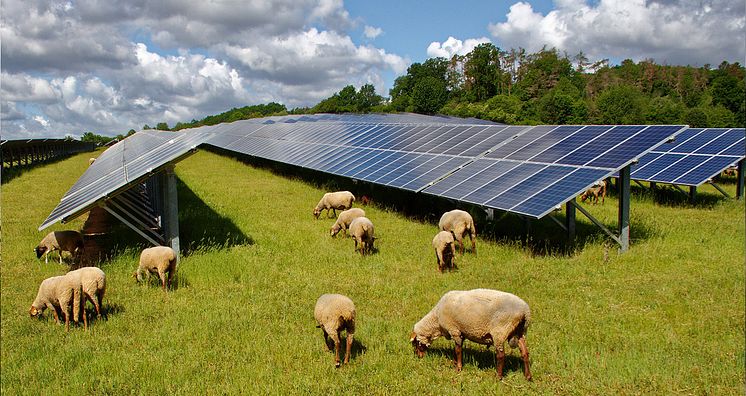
622,104
99,140
348,100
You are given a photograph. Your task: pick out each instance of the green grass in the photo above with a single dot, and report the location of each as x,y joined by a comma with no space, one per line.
665,318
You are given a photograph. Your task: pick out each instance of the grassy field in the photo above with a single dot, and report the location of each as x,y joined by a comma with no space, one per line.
665,318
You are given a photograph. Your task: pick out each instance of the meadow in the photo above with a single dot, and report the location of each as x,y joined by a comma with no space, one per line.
667,317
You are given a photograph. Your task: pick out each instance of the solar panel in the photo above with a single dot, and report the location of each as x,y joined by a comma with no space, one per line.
545,166
523,169
693,158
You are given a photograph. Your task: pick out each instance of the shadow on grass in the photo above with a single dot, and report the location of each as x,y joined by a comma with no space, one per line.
9,174
485,359
540,237
667,195
357,349
152,280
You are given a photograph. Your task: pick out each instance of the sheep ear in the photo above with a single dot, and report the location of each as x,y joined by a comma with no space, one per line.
412,337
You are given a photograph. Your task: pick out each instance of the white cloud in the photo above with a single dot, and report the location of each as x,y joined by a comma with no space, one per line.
44,123
453,46
372,32
674,32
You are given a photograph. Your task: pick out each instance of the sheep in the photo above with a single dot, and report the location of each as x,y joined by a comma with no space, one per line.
599,188
445,250
91,161
484,316
361,230
58,292
459,223
158,259
334,313
344,220
93,283
62,241
335,200
365,200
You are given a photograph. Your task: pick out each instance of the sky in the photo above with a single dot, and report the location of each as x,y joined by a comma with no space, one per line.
73,66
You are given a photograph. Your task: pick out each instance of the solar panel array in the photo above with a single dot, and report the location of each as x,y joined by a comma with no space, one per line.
122,164
694,157
523,169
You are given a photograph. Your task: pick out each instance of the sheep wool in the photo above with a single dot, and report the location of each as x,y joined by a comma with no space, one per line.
484,316
93,283
60,241
334,313
344,220
445,250
158,259
460,223
58,292
362,232
341,200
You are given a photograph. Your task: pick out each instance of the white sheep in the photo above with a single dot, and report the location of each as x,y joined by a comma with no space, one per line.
484,316
91,161
344,220
459,223
362,231
158,259
61,241
445,250
58,292
341,200
93,283
334,313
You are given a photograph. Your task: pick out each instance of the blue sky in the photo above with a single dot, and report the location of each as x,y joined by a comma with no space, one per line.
72,66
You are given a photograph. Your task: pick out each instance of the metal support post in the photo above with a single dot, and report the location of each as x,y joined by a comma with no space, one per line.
692,193
170,220
739,179
623,191
652,185
570,219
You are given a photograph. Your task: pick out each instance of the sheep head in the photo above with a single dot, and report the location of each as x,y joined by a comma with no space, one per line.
419,343
335,229
40,250
34,312
316,212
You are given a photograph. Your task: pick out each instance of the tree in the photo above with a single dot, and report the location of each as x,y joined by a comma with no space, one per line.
429,95
622,104
482,72
162,126
131,132
562,104
665,110
696,118
367,98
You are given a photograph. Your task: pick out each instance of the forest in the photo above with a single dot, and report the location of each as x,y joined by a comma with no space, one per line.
545,87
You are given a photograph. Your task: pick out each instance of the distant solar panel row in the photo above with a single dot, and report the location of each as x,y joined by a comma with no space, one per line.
694,157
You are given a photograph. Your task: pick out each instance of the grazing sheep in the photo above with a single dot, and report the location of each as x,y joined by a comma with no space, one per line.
597,189
445,250
730,171
61,241
484,316
341,200
93,282
459,223
334,313
158,259
344,220
58,292
365,200
91,161
361,230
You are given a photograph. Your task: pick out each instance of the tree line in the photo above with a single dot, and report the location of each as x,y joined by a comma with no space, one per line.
546,87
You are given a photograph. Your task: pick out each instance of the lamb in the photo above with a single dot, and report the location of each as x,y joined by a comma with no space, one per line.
361,230
445,250
484,316
93,283
597,189
58,292
459,223
91,161
334,313
341,200
344,220
62,241
158,259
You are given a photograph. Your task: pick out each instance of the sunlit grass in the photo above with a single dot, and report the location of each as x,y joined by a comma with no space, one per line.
666,317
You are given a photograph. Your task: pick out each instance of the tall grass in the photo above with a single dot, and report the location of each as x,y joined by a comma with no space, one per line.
665,318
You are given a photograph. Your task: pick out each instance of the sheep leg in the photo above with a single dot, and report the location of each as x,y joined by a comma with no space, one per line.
524,355
326,339
336,350
437,261
170,277
459,355
54,312
162,275
96,304
473,243
349,347
500,354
